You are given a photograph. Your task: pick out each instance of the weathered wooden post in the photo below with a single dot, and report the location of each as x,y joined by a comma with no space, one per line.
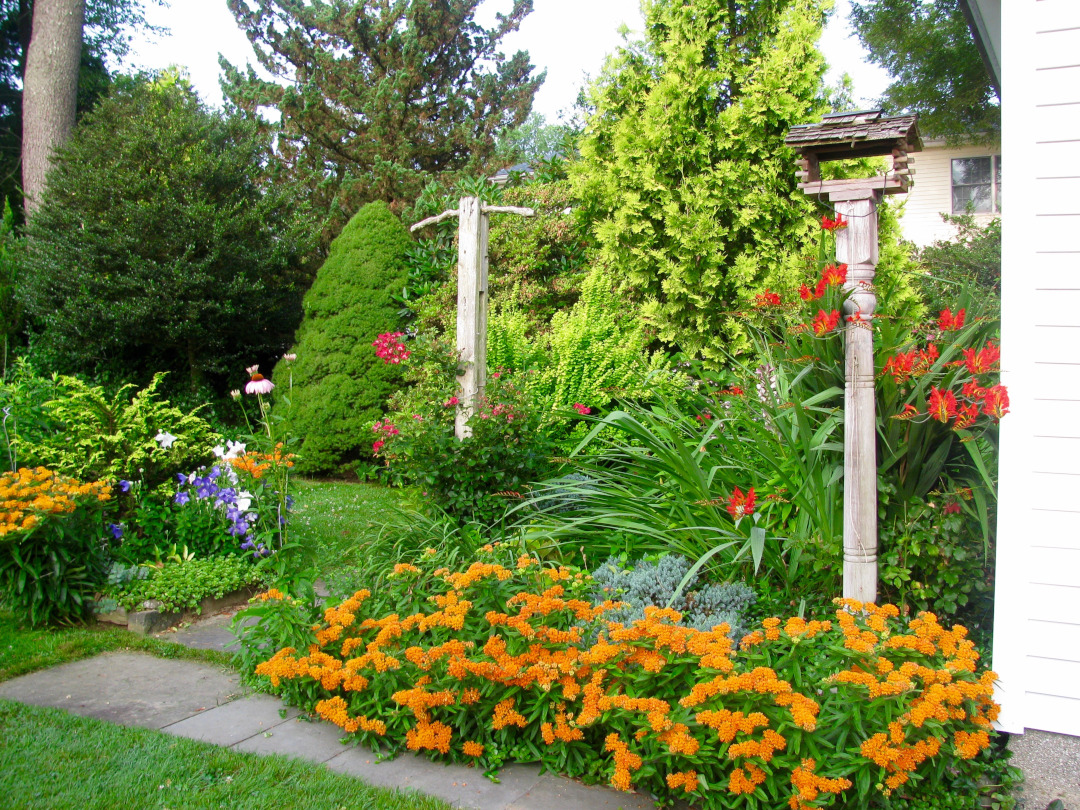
839,136
472,298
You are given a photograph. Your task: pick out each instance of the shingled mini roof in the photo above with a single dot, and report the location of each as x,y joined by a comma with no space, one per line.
856,134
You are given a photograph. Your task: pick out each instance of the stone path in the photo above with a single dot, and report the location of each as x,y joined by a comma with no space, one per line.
207,703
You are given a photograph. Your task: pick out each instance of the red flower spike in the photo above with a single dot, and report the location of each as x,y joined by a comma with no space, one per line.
834,274
823,324
942,405
767,299
973,390
984,360
909,412
833,224
952,508
740,505
966,416
947,322
805,293
996,401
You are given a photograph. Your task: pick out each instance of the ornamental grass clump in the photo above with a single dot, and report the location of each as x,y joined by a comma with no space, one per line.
52,544
497,663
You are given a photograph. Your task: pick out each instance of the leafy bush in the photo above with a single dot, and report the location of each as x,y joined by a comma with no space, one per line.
469,478
490,664
668,582
52,544
339,385
159,245
970,259
182,586
23,417
99,437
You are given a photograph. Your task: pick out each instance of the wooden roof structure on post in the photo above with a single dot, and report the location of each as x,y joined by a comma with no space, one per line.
856,134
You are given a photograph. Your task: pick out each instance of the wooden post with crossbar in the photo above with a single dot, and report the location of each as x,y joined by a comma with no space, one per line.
472,299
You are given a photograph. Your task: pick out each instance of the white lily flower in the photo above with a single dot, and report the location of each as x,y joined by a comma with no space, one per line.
165,439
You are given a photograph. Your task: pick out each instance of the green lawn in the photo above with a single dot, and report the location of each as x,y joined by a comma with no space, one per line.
334,520
51,759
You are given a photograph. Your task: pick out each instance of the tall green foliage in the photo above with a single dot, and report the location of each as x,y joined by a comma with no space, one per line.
159,246
339,385
683,168
381,96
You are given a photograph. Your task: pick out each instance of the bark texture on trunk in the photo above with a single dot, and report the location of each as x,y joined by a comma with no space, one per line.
50,88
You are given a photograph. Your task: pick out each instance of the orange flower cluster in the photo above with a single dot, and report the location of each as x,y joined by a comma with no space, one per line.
551,656
808,785
257,464
687,780
26,495
625,761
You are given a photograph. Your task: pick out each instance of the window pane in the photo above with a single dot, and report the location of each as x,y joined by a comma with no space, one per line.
997,179
971,199
971,171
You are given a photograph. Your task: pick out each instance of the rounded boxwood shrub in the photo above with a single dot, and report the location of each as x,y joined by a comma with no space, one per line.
338,384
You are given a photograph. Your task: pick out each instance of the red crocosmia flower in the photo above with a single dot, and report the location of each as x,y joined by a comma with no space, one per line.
966,416
740,505
833,224
584,410
823,324
805,293
952,508
767,299
984,360
973,390
899,366
947,322
942,405
926,358
834,274
734,391
909,412
856,318
996,401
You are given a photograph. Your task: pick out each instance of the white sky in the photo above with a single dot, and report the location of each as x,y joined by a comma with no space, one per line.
570,38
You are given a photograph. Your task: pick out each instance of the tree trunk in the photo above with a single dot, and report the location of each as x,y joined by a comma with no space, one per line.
50,89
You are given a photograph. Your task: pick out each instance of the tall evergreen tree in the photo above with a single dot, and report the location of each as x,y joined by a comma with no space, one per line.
937,72
376,96
684,172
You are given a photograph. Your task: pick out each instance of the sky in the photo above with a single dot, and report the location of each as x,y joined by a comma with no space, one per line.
568,38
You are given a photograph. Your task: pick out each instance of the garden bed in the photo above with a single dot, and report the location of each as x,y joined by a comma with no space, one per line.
154,620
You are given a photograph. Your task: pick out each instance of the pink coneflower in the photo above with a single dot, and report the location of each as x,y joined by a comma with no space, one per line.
258,383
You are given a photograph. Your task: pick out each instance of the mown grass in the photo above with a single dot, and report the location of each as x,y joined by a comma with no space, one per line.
51,759
334,520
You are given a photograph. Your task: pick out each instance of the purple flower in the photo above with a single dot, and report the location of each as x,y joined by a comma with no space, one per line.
181,498
125,486
117,530
181,478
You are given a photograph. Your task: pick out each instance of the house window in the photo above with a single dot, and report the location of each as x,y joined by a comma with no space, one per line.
976,185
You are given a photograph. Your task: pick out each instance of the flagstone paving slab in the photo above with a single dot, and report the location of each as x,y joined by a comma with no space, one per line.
555,791
299,738
235,721
130,689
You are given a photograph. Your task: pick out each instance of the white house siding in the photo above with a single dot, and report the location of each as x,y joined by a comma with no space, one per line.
1037,612
931,193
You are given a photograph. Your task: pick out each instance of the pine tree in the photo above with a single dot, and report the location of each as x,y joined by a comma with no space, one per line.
684,172
339,386
378,96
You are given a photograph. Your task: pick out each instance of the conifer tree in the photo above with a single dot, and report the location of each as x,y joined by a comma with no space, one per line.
376,96
339,386
684,172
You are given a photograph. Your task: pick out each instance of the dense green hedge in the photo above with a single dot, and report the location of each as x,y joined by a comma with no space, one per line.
338,384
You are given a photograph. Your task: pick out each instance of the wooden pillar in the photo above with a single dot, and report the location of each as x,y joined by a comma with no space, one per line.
472,299
857,246
472,309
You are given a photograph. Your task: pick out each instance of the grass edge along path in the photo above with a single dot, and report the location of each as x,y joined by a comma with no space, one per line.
52,759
